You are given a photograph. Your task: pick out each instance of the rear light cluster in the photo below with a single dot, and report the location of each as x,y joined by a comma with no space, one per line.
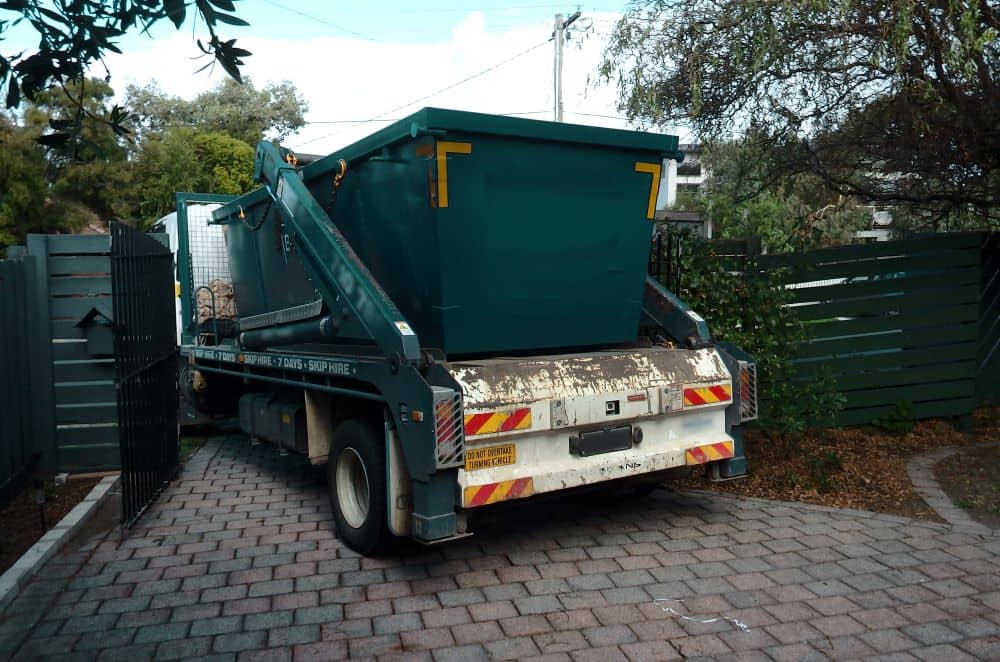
449,428
748,391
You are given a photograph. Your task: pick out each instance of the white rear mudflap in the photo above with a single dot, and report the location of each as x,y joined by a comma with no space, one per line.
542,424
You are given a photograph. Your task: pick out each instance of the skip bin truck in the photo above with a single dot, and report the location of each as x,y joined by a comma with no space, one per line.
455,312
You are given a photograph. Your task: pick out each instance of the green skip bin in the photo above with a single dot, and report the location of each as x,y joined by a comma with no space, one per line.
490,234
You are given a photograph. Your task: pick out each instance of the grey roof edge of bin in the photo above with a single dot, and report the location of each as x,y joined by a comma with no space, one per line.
461,121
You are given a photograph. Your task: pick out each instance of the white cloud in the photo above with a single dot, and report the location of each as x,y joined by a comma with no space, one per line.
353,79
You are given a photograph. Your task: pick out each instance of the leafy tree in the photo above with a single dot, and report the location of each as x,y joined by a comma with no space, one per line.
26,200
87,165
893,101
238,110
791,213
747,305
184,159
59,106
206,144
74,35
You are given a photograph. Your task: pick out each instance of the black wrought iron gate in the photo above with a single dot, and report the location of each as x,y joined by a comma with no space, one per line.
146,367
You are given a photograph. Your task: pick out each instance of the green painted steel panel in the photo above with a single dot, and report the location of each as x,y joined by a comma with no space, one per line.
457,121
490,234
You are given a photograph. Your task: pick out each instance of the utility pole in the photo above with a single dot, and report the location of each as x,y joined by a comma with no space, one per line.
559,36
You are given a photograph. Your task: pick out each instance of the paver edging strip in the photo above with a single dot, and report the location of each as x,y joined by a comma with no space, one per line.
921,472
741,501
54,539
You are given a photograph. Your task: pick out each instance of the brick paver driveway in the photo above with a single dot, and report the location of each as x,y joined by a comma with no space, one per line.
237,559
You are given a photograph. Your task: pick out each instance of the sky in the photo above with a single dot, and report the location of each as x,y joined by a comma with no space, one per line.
361,64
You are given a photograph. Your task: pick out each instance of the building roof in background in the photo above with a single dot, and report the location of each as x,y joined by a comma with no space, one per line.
674,216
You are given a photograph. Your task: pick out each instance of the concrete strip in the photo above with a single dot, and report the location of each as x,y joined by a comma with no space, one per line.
49,544
921,471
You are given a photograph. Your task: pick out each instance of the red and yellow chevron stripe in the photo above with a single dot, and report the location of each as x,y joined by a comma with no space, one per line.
707,395
481,495
709,452
498,421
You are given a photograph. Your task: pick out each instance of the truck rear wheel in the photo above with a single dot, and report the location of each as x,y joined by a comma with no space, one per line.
356,477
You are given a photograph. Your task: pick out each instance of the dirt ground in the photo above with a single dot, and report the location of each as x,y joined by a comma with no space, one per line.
20,522
971,478
861,467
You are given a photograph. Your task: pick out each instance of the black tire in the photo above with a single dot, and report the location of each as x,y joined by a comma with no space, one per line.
357,455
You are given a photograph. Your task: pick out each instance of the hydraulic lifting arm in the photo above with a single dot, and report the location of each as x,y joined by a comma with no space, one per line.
348,289
665,310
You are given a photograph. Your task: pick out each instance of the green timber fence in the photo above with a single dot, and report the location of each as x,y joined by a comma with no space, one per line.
915,321
988,376
19,453
893,322
57,371
77,281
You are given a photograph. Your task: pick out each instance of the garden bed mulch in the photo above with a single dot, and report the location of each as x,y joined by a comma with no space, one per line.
863,468
20,522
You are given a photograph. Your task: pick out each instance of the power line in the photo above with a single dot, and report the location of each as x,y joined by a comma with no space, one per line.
443,89
610,117
466,79
321,20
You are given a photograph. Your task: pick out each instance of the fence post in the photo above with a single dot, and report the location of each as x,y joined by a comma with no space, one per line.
39,324
15,438
988,351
